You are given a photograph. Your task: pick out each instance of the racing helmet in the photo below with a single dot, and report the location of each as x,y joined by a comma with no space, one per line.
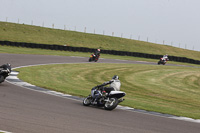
115,77
98,50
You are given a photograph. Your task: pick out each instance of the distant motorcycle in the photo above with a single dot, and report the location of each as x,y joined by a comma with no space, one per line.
4,72
109,100
162,61
93,57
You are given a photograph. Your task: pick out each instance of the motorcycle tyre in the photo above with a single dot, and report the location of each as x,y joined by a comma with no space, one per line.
112,106
90,59
1,79
89,98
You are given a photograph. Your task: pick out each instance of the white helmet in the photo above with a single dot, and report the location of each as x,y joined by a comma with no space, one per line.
8,64
115,77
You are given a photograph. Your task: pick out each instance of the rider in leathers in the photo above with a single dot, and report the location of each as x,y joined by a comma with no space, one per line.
4,71
114,86
5,68
165,58
97,52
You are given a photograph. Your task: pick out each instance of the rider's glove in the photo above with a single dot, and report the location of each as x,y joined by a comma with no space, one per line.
96,87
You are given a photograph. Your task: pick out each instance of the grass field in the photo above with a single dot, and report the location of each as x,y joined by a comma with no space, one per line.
165,89
35,34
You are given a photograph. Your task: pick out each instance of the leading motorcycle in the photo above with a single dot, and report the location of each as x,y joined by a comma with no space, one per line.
93,57
107,99
4,73
162,61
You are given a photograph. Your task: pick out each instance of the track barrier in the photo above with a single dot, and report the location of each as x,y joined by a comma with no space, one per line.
85,49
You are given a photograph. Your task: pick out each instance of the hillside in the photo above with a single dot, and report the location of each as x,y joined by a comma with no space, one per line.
35,34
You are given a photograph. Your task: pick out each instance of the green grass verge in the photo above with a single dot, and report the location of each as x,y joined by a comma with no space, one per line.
165,89
34,34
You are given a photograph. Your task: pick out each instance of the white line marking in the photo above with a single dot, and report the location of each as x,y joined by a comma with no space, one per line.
4,131
77,57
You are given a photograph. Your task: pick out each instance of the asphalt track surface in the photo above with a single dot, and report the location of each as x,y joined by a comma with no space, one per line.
26,111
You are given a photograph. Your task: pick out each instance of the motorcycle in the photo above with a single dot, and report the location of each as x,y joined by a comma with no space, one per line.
162,61
107,99
4,73
94,57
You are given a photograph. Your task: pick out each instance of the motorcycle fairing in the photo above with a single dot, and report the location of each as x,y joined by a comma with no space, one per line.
117,94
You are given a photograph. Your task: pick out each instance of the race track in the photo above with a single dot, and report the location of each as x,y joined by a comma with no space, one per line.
26,111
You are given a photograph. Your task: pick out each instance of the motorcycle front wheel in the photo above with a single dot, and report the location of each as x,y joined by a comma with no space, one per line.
111,104
1,79
87,101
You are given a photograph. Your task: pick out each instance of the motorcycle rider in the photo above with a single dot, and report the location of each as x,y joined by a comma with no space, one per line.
165,58
115,85
97,52
5,68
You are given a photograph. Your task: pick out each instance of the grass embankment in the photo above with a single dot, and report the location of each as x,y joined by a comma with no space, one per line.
165,89
34,34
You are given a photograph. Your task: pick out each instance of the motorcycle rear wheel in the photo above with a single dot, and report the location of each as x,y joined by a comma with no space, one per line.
111,104
87,101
